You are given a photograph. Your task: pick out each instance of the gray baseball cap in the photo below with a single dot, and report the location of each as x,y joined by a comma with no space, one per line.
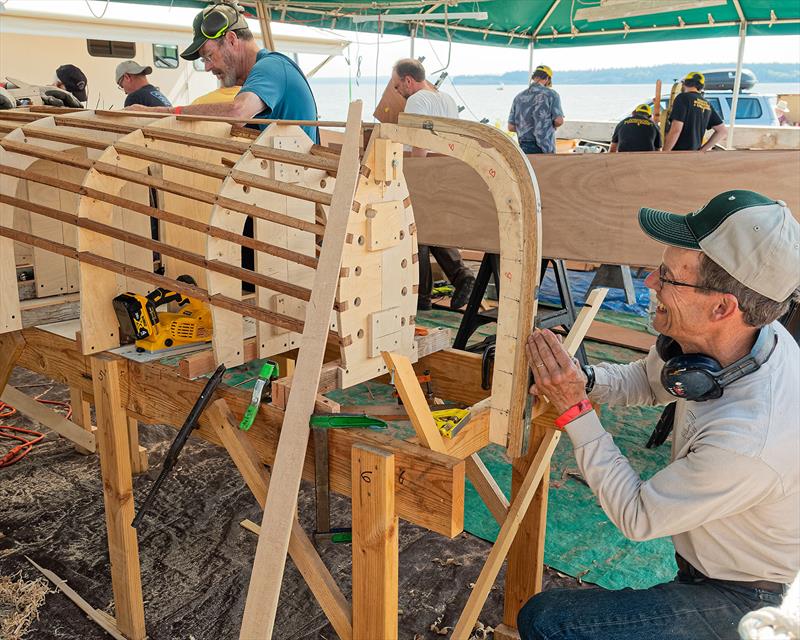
133,68
754,238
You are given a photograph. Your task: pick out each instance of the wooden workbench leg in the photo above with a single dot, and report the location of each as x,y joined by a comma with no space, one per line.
138,452
525,568
11,346
375,545
301,549
115,468
520,505
81,414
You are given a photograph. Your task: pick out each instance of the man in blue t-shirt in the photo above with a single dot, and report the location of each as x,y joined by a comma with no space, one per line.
273,86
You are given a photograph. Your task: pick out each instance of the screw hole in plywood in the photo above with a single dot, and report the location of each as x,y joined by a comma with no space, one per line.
404,291
357,302
360,333
361,240
404,263
358,271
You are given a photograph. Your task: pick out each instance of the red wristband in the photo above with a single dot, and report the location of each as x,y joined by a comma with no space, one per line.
177,110
573,412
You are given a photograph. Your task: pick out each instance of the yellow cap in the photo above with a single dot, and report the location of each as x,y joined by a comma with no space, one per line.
545,69
644,108
696,76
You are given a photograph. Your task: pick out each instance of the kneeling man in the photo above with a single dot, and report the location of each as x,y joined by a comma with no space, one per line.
730,497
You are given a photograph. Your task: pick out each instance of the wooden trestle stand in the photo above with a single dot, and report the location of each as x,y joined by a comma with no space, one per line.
335,279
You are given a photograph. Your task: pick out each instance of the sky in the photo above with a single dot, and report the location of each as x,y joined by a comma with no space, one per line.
380,52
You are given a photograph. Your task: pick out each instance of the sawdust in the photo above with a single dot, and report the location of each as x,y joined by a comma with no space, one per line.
447,562
19,604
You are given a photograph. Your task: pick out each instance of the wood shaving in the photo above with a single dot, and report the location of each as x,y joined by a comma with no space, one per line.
481,631
443,631
440,631
447,562
20,601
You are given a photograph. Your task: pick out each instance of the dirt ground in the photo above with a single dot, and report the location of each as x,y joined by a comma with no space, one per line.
195,556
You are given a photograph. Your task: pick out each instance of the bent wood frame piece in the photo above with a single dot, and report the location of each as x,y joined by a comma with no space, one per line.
93,175
512,185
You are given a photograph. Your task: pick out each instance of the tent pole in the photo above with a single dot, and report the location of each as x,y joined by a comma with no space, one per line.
737,83
263,21
530,60
413,39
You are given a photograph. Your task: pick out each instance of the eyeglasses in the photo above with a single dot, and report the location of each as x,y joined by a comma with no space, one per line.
663,280
209,58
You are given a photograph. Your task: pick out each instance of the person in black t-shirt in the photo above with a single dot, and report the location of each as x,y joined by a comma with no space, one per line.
637,132
132,79
691,117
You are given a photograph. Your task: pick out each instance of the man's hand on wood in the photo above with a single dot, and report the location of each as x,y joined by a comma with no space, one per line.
556,374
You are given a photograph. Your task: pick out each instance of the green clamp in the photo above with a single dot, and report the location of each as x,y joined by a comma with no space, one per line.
345,421
269,371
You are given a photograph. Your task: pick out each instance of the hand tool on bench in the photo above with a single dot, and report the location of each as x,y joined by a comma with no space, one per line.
180,440
451,421
263,388
320,423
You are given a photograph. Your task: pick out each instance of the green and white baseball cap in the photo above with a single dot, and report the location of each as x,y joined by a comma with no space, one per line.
754,238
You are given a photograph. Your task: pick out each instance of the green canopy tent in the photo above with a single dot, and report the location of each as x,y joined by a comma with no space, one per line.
536,24
543,23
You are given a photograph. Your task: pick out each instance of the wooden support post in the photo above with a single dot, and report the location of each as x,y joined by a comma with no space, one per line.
81,415
139,462
264,23
487,487
115,468
11,346
508,531
281,506
525,569
54,421
375,545
405,380
301,549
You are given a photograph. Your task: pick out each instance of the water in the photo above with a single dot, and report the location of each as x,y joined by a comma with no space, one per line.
579,101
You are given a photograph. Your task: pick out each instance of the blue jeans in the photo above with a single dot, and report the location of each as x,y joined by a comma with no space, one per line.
673,611
530,146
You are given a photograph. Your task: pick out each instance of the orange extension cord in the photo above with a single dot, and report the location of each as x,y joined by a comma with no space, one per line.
18,434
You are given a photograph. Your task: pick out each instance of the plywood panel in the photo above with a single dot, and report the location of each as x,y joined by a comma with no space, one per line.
590,202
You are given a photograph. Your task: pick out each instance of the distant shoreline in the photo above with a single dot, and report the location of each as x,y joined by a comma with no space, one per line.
767,73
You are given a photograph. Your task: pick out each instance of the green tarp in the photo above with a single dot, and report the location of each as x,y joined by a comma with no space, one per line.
511,23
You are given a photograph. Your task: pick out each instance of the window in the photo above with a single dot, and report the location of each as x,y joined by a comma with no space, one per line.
111,49
165,56
715,105
747,108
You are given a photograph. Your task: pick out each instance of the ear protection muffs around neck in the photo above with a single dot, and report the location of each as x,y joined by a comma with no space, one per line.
699,377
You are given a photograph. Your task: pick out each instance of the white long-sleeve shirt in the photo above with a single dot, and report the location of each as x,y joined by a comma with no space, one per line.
730,497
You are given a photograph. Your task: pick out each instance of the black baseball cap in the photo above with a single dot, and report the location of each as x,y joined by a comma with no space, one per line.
212,23
755,238
74,80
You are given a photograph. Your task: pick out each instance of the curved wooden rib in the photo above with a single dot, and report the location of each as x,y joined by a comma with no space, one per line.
512,183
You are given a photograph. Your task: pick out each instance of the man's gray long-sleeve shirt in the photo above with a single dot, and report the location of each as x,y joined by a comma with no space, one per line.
730,497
